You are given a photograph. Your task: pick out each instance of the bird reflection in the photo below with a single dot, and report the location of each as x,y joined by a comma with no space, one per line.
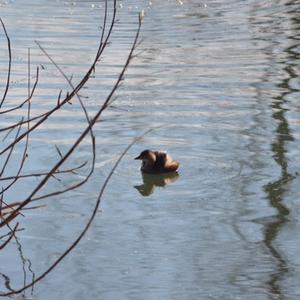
150,181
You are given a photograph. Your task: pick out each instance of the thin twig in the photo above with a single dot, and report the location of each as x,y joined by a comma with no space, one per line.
71,170
9,154
88,224
79,86
10,236
9,63
81,137
25,101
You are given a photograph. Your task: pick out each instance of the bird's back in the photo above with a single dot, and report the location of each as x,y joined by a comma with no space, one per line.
164,163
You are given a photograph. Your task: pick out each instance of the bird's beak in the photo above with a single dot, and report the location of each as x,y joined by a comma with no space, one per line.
138,157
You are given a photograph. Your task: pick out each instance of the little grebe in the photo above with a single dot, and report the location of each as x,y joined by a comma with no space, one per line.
157,162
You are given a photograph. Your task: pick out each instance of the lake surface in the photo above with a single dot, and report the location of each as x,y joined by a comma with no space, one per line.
219,81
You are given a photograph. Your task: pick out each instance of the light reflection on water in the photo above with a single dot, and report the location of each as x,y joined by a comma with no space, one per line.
223,79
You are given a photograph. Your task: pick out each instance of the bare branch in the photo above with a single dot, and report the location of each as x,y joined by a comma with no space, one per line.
9,63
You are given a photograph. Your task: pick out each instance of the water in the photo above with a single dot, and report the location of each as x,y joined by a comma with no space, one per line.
220,81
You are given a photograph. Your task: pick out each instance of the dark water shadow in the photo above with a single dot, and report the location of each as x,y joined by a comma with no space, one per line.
27,270
275,190
150,182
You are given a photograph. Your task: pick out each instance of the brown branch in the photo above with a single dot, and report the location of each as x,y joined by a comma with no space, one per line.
83,135
25,101
63,158
71,170
12,233
22,122
24,156
87,226
75,91
85,132
9,154
9,63
10,206
7,234
86,116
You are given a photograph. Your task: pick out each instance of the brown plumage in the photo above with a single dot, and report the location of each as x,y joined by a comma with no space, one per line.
157,162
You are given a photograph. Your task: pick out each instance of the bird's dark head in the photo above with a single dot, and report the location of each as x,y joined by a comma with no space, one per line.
146,155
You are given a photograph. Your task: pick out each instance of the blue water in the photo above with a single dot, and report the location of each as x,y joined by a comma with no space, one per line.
219,83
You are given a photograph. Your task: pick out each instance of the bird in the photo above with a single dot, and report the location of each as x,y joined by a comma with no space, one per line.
157,162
